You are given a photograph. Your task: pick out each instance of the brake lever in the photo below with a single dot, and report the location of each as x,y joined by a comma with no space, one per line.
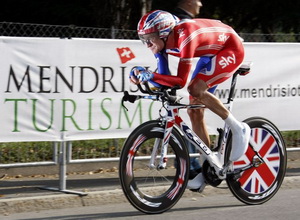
129,98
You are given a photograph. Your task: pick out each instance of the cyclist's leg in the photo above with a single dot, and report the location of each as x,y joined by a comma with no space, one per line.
198,123
198,89
197,182
222,67
197,117
204,64
240,131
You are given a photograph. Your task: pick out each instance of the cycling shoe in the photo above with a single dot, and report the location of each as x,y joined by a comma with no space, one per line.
240,141
197,184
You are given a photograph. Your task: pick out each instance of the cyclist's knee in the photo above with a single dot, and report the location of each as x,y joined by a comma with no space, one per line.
197,88
194,91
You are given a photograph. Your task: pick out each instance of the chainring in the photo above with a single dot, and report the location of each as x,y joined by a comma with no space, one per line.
210,174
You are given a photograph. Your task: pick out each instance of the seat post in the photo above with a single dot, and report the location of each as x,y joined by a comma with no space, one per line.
232,87
243,70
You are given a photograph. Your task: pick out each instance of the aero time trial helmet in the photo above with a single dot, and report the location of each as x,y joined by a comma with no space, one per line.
157,21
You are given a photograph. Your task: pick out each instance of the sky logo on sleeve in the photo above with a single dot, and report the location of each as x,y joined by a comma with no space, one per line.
125,54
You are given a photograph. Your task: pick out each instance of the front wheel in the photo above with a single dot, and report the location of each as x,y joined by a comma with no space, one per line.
258,174
148,187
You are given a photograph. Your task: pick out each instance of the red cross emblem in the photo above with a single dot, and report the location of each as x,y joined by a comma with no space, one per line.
125,54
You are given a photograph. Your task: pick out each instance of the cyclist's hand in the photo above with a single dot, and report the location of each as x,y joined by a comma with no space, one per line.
134,72
145,76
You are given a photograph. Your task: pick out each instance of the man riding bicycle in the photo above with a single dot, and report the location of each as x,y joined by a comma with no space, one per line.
221,53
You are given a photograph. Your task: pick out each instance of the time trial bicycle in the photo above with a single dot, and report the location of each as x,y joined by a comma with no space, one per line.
154,162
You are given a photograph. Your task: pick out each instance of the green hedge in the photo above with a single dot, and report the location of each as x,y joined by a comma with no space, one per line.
43,151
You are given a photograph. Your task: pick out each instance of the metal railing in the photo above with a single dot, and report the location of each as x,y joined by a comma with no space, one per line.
28,154
105,150
58,31
72,31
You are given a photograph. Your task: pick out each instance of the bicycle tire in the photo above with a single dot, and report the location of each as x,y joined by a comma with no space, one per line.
257,185
153,191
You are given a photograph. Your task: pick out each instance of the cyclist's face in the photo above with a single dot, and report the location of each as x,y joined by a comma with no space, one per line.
153,42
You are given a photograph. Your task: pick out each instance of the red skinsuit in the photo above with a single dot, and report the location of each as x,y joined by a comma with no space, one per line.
212,39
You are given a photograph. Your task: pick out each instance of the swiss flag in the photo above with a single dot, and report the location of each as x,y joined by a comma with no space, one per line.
125,54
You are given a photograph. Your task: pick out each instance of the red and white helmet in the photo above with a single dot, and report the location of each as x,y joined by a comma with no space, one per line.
157,21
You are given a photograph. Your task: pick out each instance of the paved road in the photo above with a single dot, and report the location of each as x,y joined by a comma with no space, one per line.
105,200
284,205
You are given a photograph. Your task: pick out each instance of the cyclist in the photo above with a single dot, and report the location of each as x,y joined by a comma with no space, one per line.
221,53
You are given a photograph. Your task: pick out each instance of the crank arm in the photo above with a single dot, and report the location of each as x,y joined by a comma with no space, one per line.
236,173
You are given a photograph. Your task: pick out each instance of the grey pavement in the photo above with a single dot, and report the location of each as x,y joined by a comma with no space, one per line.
26,194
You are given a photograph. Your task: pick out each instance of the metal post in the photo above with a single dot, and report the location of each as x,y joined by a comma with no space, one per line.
62,162
54,155
62,166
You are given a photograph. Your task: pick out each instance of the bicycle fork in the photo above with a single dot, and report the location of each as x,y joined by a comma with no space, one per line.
169,123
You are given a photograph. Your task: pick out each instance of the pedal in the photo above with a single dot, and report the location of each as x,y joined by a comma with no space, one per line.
235,175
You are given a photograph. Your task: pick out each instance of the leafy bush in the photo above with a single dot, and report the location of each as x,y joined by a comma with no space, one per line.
22,152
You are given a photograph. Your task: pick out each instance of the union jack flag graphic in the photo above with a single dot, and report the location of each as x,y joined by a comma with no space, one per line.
257,180
131,154
180,180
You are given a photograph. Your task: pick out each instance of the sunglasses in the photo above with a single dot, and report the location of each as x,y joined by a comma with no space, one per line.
148,39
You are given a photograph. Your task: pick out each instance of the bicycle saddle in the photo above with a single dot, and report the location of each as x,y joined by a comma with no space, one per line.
244,68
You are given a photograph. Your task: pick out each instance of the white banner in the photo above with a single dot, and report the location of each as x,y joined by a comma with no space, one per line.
71,89
271,89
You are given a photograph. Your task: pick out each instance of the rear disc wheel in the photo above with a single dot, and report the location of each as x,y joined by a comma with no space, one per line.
266,155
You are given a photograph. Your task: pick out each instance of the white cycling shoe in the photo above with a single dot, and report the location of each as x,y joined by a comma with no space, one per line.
197,184
240,141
